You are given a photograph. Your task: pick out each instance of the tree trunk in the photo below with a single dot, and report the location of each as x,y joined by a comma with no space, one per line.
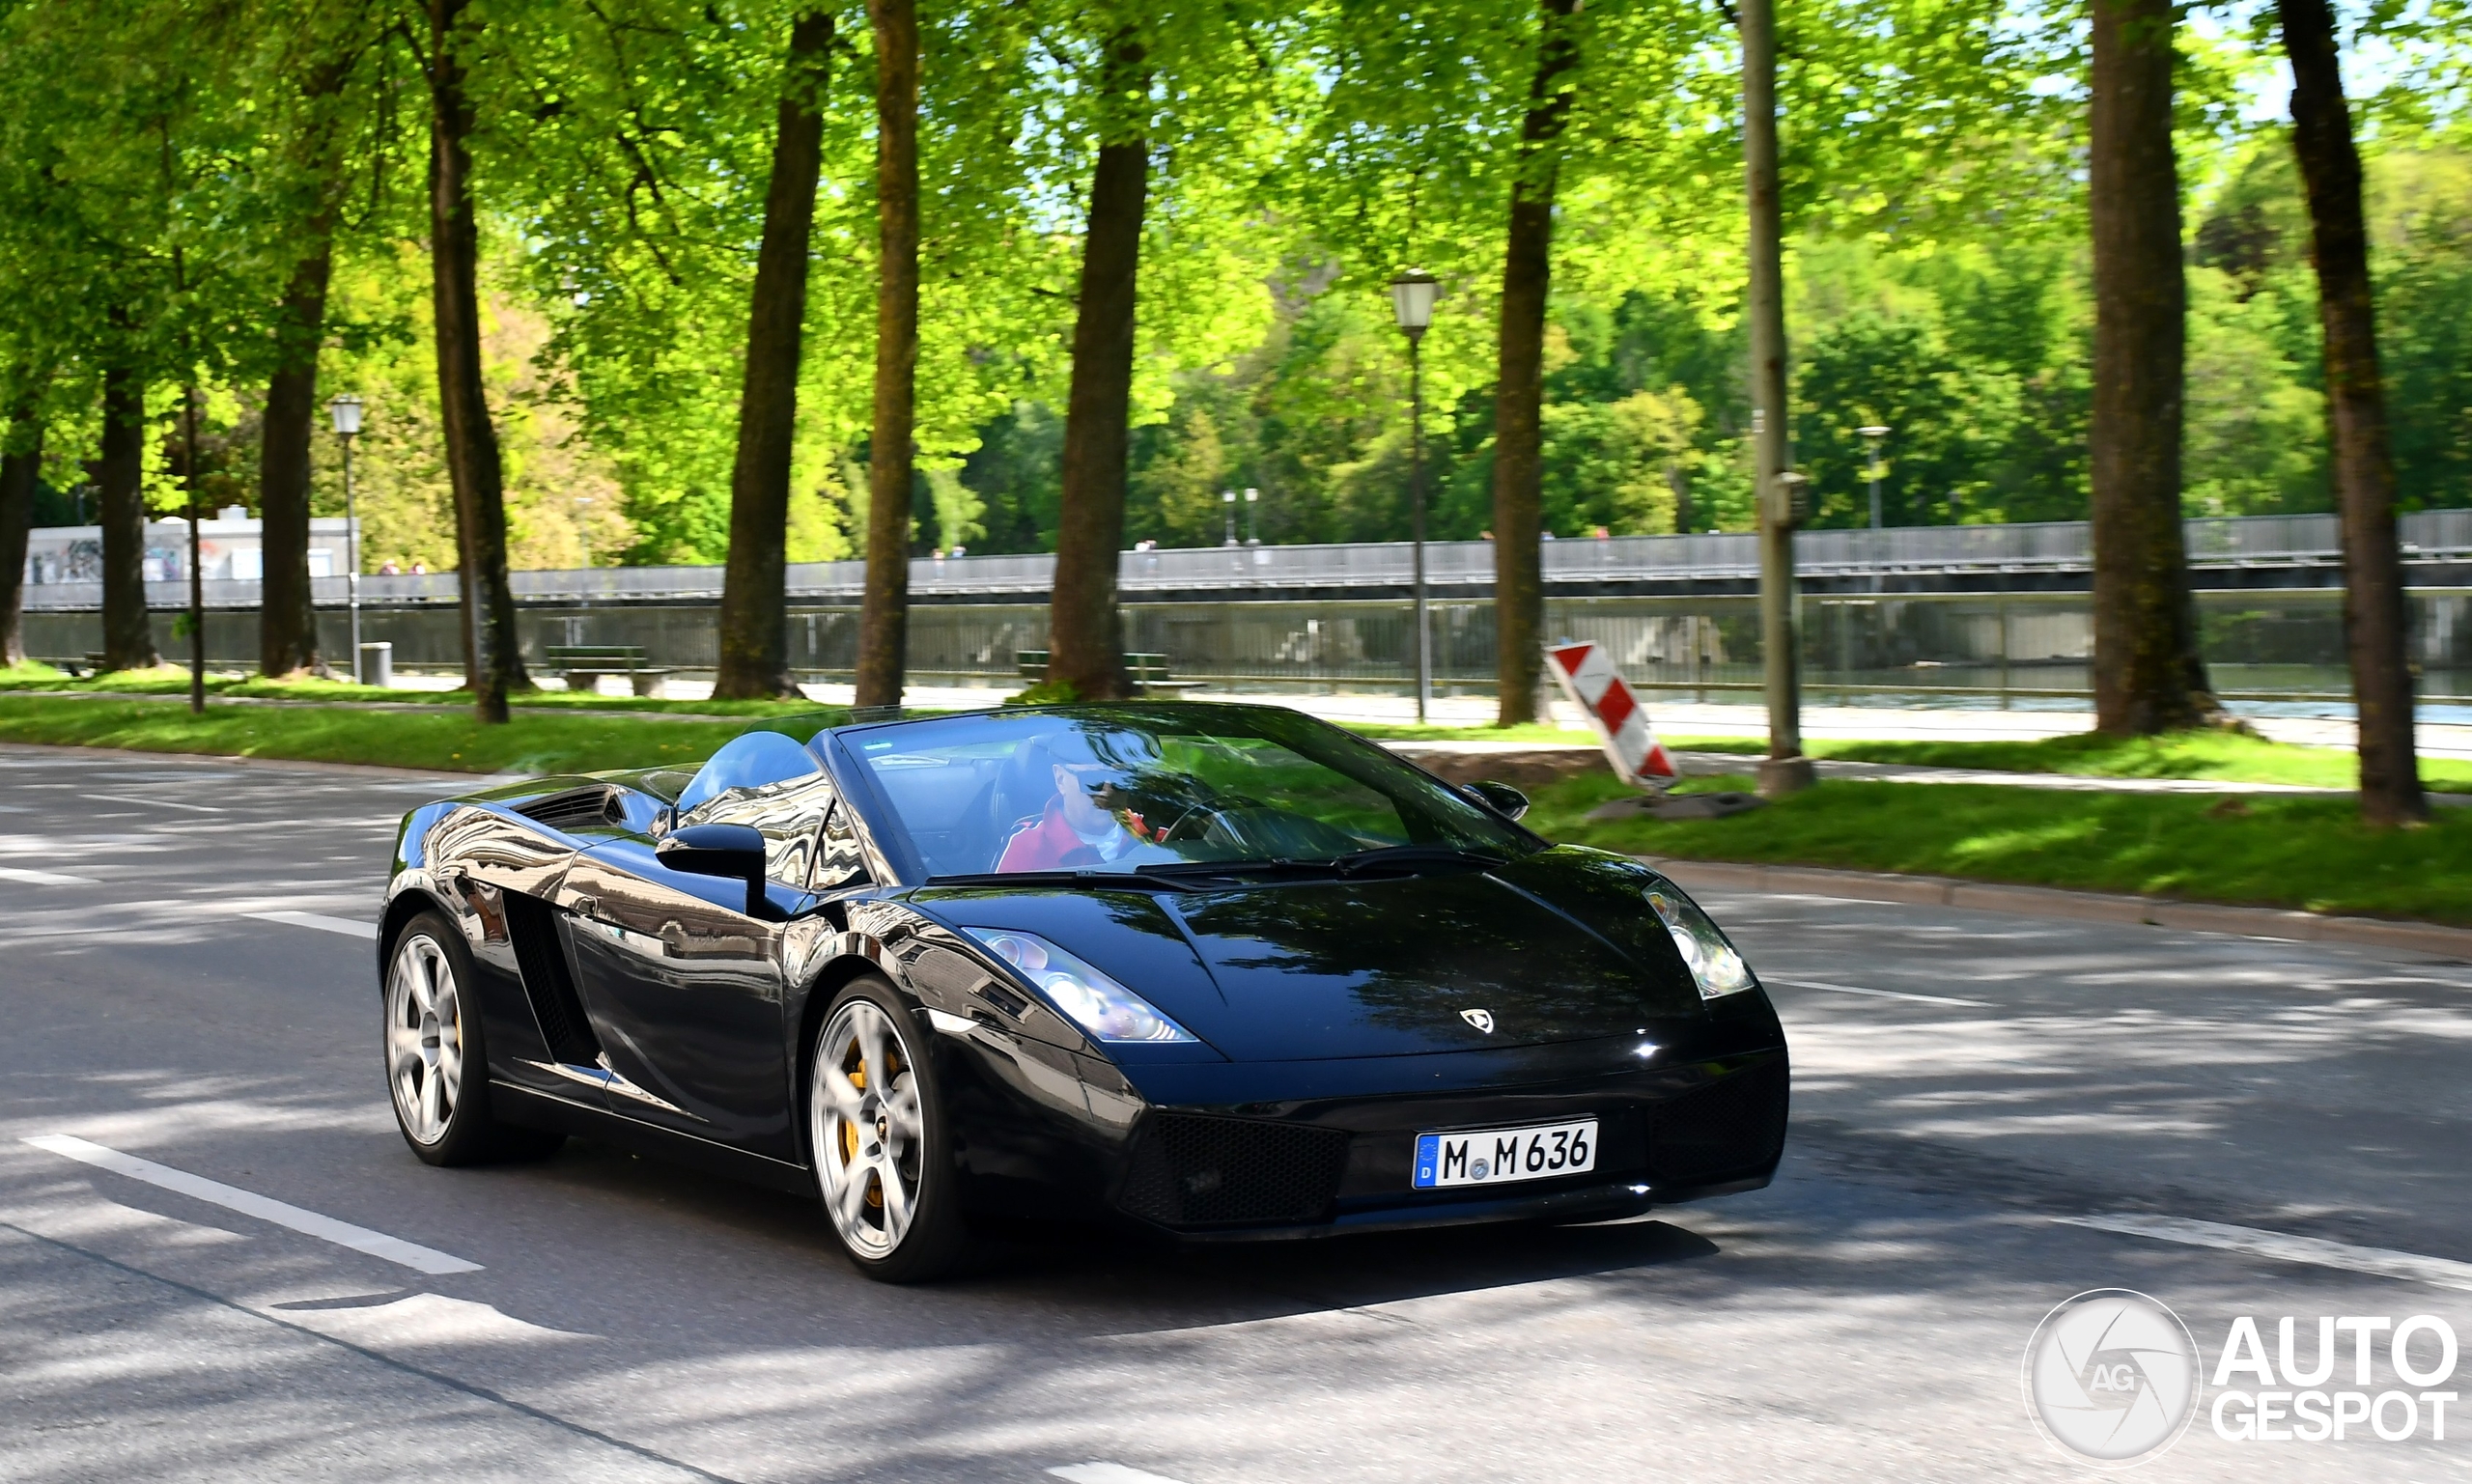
494,660
2148,675
883,623
2373,628
20,465
1786,770
128,636
287,617
755,620
1085,641
1518,393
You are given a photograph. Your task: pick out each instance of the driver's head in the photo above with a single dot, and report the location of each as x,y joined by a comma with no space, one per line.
1090,770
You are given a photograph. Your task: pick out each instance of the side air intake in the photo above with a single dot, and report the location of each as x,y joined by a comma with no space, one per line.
548,983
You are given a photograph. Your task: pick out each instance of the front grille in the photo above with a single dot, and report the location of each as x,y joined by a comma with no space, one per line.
1734,1125
1190,1170
583,808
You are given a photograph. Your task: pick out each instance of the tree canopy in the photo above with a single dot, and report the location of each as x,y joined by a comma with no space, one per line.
157,171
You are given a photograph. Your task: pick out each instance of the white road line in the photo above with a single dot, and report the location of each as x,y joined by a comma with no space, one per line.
2439,1272
44,877
1107,1474
321,921
360,1239
159,803
1851,988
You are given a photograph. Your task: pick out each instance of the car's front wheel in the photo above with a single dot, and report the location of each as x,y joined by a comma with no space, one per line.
437,1068
876,1124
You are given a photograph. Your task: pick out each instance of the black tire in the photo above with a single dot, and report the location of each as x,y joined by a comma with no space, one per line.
434,1054
861,1142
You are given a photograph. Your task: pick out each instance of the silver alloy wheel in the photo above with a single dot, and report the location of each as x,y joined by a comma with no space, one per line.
867,1130
424,1037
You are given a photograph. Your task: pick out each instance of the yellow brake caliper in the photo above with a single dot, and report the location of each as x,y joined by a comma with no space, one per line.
850,1130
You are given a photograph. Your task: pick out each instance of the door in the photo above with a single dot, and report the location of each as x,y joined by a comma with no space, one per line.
683,988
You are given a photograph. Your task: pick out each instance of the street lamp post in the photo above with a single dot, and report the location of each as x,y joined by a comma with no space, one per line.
346,412
1253,517
1873,436
1227,498
1412,296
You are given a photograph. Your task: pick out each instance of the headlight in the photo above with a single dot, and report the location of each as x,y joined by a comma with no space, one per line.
1089,998
1720,970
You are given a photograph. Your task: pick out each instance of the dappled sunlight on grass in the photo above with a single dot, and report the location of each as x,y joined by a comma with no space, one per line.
2000,843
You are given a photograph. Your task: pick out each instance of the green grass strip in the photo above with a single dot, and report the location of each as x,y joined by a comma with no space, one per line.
2224,756
2264,849
2274,851
445,740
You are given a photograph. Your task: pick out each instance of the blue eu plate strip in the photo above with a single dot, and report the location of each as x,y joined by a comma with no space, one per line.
1428,1157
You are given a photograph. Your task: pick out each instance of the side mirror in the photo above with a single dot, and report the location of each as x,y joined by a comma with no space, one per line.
1500,797
720,850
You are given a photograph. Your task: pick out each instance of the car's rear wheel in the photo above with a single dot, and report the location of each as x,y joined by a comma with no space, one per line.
436,1065
876,1124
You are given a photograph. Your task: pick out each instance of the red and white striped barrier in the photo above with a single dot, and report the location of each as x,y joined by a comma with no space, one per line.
1588,678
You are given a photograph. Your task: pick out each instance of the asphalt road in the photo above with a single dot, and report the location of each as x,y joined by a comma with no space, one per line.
1996,1081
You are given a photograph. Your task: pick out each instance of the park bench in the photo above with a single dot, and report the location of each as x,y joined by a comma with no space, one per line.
585,664
1148,672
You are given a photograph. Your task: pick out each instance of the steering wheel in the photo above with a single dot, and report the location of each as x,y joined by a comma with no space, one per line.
1202,824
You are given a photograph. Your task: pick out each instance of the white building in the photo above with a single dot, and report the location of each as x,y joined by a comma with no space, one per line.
230,548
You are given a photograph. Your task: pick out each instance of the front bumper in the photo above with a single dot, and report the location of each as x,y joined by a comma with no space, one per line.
1219,1169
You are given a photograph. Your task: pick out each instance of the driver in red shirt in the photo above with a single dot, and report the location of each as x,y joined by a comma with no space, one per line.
1090,821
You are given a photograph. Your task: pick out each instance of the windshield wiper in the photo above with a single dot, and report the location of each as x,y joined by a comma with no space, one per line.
1136,875
1198,875
1412,857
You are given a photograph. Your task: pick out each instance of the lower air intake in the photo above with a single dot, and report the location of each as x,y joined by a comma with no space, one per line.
1723,1129
1190,1170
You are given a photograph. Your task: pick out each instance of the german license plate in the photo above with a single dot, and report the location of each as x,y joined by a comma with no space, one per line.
1501,1156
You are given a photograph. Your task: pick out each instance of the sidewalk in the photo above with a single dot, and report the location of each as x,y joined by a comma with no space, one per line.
1672,718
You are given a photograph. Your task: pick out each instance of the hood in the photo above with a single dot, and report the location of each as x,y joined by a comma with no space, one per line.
1318,971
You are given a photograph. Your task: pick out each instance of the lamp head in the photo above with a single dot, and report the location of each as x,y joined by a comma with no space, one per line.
346,411
1873,431
1412,296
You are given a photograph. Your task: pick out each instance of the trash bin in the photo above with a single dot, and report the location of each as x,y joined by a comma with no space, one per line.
378,664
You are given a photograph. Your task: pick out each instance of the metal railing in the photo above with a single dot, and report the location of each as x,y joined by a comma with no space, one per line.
2060,545
2283,643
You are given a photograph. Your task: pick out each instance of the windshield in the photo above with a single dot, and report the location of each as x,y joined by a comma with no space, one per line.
1131,787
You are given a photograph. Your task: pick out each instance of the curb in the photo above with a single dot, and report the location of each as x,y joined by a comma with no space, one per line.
67,750
2266,922
427,707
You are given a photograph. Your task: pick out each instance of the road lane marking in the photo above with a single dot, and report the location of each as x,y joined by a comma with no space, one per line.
1107,1474
2383,1262
33,878
376,1357
321,921
360,1239
159,803
1851,988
